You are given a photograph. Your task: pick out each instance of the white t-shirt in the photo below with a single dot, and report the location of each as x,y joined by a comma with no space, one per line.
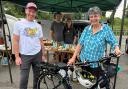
29,32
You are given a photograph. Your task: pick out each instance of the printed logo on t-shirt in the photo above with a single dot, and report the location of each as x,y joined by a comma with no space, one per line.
31,32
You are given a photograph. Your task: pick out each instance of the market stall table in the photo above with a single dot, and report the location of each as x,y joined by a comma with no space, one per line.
57,50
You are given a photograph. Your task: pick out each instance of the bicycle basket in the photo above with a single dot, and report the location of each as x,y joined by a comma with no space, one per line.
110,69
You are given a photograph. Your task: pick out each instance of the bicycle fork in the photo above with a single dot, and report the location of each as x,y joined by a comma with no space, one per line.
66,79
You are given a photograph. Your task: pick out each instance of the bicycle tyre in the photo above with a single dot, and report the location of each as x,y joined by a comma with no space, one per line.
50,80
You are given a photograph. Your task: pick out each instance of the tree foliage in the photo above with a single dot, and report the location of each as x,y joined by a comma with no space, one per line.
13,9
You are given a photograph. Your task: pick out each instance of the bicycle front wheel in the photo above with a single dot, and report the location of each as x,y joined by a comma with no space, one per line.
51,81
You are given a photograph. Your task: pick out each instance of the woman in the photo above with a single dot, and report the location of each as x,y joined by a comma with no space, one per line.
69,32
69,37
93,40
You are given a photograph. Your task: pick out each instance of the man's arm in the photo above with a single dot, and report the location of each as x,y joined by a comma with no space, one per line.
16,45
52,35
42,46
16,49
52,32
43,50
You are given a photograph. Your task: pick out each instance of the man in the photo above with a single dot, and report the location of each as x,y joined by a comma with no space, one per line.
28,45
57,28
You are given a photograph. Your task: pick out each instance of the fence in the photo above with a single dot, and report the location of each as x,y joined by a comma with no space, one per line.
117,32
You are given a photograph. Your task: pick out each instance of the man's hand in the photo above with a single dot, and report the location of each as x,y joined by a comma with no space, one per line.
18,61
44,59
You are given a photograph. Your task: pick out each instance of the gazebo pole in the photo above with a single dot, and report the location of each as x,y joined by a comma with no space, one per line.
112,18
120,40
113,14
4,35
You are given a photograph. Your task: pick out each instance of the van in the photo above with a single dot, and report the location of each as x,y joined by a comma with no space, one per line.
79,25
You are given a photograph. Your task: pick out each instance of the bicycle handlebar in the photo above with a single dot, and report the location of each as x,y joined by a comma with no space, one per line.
103,59
59,66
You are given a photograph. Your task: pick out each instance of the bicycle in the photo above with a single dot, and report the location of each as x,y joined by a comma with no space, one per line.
50,78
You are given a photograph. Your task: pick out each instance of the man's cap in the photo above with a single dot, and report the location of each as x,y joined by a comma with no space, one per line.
31,5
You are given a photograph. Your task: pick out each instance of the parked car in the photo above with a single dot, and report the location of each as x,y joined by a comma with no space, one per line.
79,26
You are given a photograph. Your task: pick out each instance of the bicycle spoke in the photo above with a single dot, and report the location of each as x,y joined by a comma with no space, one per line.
51,81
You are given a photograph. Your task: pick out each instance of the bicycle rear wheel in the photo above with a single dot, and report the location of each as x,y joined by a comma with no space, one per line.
51,81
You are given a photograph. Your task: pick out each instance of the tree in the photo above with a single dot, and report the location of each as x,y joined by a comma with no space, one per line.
44,15
13,9
77,16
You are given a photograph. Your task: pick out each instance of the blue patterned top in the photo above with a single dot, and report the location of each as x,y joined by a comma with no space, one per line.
93,45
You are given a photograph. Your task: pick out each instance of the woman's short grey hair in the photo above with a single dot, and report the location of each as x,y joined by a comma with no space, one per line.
94,10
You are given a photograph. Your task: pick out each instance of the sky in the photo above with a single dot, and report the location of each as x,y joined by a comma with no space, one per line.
119,10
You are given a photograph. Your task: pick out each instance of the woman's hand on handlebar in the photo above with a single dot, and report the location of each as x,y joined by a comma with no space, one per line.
71,61
117,51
